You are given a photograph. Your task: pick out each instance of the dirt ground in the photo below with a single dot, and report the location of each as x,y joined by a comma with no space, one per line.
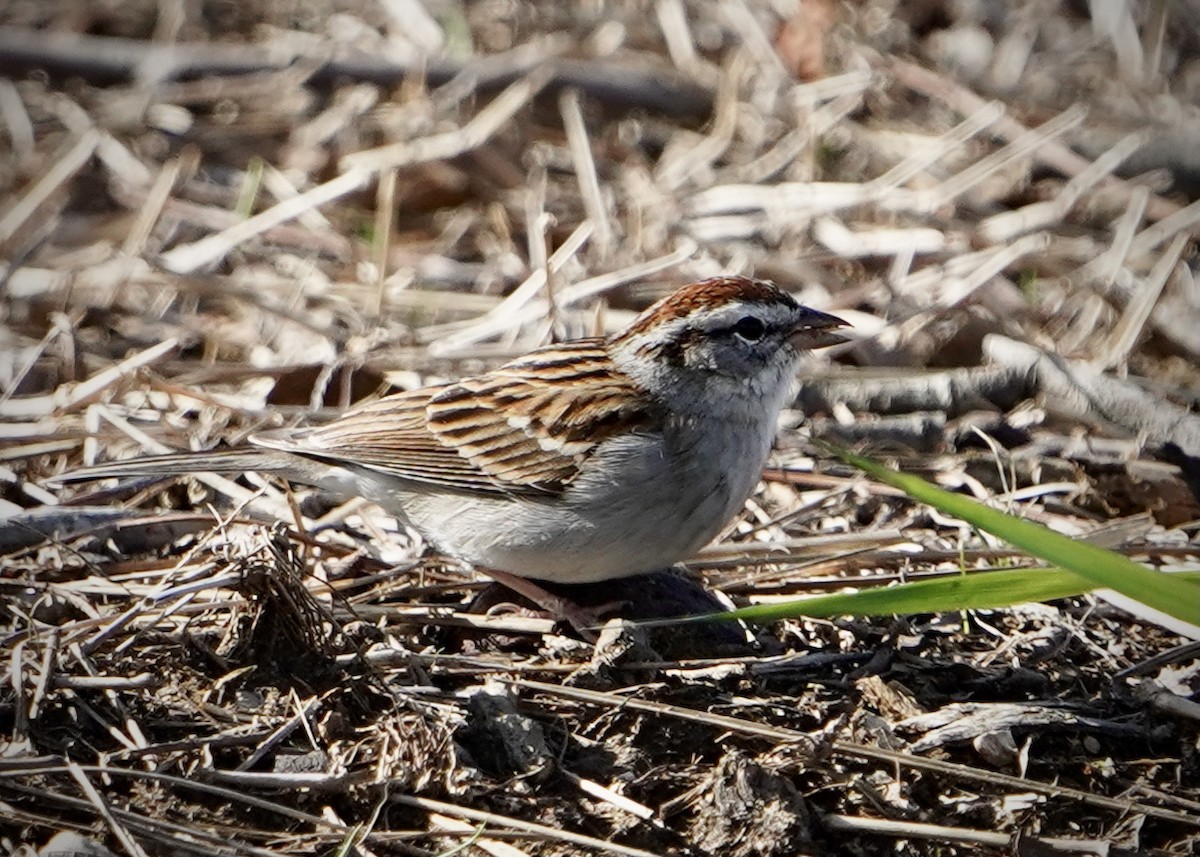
217,217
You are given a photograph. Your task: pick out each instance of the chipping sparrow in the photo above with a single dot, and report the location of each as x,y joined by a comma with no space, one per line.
579,462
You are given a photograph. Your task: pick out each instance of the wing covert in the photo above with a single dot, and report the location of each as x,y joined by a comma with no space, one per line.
526,427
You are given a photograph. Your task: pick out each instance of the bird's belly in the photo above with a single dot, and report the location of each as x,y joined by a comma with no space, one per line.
658,508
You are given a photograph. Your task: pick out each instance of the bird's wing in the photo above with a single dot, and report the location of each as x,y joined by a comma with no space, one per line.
525,427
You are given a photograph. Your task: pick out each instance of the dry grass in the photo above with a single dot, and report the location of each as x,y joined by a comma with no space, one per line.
217,217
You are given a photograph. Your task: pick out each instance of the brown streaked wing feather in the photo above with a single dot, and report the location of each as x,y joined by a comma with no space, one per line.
525,427
389,435
551,409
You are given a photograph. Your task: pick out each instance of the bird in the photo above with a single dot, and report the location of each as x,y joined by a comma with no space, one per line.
581,461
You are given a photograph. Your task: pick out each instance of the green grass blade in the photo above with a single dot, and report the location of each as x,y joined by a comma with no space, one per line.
1172,594
982,590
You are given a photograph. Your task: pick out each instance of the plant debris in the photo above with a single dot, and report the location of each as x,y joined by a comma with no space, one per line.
223,217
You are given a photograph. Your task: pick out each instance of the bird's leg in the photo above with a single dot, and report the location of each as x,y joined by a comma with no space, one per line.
585,620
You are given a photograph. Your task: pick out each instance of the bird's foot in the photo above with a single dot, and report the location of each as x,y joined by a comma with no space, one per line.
585,620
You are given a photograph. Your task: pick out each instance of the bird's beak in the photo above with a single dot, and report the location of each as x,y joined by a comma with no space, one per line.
818,330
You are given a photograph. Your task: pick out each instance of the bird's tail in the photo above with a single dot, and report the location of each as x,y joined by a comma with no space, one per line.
184,463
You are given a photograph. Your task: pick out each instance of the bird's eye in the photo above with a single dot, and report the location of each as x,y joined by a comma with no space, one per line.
750,328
